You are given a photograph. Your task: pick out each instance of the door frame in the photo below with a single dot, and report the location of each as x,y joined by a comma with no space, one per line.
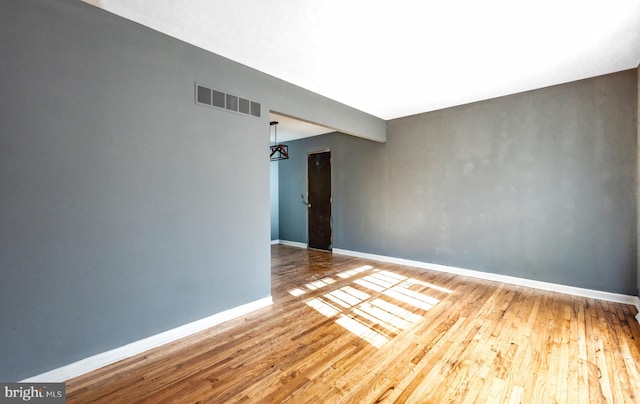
307,195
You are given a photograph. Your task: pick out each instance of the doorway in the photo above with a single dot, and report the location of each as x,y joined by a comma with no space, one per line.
320,234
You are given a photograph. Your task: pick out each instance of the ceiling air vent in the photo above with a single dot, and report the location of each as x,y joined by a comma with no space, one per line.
232,102
218,99
255,109
229,102
244,106
203,95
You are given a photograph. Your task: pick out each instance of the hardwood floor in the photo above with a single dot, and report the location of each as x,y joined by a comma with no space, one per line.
349,330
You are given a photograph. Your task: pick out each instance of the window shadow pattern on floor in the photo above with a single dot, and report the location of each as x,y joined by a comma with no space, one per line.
373,304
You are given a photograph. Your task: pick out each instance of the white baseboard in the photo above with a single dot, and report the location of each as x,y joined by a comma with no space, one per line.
552,287
292,243
94,362
274,242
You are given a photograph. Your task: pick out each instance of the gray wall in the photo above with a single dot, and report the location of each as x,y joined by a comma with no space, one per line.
273,191
125,209
354,208
538,185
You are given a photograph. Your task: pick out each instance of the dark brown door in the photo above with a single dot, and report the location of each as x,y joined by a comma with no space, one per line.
319,200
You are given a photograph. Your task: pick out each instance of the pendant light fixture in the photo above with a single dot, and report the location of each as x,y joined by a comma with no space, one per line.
278,151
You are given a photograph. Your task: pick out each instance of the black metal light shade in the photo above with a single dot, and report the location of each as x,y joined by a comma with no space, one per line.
278,151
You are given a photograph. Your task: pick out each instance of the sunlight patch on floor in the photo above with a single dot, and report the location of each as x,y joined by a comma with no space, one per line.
363,331
397,311
296,292
344,299
320,283
323,307
369,315
396,294
413,281
355,271
382,317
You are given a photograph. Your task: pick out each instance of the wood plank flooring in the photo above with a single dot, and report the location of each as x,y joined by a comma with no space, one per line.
349,330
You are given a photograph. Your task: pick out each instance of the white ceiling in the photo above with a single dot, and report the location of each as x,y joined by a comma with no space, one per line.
402,57
290,128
